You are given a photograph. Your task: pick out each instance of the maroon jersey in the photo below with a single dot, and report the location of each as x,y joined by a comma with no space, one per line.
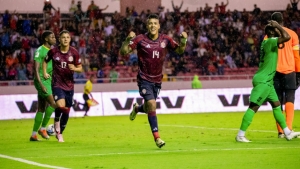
62,76
151,55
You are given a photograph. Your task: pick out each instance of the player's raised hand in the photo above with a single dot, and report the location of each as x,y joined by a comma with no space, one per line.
130,35
71,67
273,23
183,35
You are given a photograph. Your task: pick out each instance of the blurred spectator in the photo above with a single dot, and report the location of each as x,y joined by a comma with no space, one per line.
82,45
211,68
12,73
73,8
196,83
294,4
21,72
113,75
99,16
256,11
100,76
133,58
6,18
48,7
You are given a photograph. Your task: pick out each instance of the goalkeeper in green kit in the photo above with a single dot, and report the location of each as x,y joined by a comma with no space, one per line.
46,102
263,89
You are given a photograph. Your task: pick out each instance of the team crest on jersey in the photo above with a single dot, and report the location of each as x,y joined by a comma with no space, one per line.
57,58
71,59
36,54
163,45
130,42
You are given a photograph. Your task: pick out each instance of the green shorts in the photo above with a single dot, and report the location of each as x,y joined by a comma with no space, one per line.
263,92
47,84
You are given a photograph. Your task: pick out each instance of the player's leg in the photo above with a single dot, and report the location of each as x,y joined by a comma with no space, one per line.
278,85
38,118
65,112
59,98
50,108
149,91
258,95
86,106
290,89
136,108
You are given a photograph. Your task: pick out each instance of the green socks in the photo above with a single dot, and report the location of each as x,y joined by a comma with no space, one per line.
37,121
48,112
247,119
279,117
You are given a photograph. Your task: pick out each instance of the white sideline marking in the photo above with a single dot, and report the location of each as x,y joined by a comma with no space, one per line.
171,151
211,128
31,162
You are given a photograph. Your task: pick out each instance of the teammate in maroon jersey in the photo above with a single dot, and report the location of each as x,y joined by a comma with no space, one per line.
152,48
65,61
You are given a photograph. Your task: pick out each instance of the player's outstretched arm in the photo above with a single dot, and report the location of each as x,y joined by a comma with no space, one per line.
125,49
183,39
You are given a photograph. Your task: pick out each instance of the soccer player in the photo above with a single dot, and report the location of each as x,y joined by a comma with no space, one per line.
88,87
152,48
65,60
43,87
285,78
263,89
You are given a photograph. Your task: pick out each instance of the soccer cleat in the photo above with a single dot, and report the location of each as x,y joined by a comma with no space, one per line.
159,142
43,133
292,135
60,138
34,138
133,112
281,135
57,127
242,139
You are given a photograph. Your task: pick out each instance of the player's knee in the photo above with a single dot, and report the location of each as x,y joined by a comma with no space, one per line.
65,110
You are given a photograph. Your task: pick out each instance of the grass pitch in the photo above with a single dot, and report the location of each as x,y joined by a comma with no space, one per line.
193,141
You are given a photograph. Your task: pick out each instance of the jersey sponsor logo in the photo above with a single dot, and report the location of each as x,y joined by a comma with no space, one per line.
163,45
147,46
70,59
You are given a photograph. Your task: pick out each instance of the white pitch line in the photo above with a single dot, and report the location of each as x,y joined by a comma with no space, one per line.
171,151
211,128
31,162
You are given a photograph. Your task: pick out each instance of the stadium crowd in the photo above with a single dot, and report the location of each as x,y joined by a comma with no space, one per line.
218,39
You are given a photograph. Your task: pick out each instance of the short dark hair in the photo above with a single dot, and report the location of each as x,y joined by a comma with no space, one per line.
269,28
277,16
153,16
45,34
63,31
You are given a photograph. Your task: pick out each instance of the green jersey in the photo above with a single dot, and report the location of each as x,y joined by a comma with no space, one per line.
39,56
268,62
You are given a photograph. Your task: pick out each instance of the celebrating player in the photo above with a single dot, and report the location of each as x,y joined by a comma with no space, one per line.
66,61
263,89
43,87
285,78
152,48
